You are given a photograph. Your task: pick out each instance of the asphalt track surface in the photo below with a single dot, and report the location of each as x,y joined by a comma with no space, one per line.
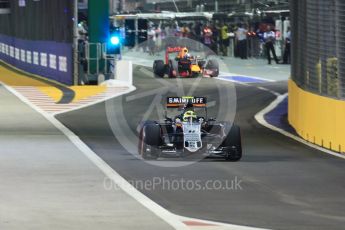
283,184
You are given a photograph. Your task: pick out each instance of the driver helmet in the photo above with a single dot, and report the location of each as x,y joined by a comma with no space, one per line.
189,114
187,56
184,51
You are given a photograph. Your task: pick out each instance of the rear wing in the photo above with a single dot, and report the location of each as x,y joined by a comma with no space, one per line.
174,49
177,102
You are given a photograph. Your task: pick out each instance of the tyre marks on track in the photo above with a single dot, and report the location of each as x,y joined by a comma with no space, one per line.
50,106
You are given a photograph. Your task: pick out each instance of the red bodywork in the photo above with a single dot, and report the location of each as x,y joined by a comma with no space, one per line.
179,50
170,50
184,74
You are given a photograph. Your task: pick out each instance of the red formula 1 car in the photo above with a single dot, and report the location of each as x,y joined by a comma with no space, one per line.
184,65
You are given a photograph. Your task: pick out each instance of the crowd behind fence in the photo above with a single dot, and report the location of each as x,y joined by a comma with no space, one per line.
209,34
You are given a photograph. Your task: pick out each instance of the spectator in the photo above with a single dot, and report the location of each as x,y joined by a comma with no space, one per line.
224,30
198,34
207,36
151,43
82,31
270,38
287,59
198,31
241,37
191,31
215,38
260,35
170,32
185,31
158,34
178,32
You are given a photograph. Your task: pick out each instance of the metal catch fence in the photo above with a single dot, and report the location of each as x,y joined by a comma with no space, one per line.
318,46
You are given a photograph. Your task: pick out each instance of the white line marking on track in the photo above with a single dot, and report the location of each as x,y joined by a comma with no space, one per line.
260,117
237,82
270,91
247,76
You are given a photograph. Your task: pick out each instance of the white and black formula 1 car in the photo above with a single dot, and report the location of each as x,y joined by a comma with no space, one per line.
189,133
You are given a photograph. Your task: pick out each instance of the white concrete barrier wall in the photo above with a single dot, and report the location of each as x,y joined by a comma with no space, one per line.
124,72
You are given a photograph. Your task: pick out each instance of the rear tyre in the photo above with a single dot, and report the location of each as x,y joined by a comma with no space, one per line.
149,141
159,68
234,144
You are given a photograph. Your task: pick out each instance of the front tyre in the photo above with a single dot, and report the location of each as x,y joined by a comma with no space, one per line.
149,141
233,143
